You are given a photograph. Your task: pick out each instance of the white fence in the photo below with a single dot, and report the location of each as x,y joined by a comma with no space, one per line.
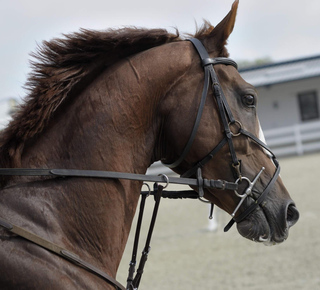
294,140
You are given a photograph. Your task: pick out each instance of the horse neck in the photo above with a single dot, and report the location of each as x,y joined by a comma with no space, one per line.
116,114
113,124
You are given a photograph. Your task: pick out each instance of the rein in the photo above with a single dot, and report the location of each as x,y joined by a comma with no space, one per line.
132,283
195,172
199,181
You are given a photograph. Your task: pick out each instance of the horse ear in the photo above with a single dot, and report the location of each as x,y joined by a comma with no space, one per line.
217,38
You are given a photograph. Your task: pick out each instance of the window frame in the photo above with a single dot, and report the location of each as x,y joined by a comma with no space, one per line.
313,103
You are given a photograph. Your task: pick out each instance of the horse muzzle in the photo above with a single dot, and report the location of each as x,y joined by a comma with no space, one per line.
268,225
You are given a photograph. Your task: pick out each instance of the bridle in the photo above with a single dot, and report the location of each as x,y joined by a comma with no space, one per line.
228,121
192,177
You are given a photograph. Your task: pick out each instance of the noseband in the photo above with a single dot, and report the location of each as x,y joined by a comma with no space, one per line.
228,122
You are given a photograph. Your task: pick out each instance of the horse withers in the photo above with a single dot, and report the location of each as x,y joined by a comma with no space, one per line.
119,101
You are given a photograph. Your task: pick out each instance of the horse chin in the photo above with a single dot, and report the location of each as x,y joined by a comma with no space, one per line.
257,228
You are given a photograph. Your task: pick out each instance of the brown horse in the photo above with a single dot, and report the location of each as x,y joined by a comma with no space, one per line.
120,100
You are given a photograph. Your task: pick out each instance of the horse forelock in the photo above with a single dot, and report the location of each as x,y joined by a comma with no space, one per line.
60,65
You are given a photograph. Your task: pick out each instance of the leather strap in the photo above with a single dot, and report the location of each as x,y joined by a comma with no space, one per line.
254,205
196,123
75,259
227,118
226,115
207,183
133,261
157,197
265,192
205,160
209,74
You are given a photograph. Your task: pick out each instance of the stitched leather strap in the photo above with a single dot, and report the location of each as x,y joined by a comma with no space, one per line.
207,183
196,123
75,259
209,75
206,159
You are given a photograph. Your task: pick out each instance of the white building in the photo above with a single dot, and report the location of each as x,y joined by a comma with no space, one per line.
289,104
288,91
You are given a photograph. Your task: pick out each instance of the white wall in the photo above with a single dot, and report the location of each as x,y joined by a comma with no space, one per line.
278,104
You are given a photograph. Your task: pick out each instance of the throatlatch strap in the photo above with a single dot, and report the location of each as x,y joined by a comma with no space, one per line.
197,122
224,109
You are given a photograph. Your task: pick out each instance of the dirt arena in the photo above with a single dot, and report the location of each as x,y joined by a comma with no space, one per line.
186,255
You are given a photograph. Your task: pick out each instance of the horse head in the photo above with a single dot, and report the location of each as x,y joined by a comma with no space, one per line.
241,156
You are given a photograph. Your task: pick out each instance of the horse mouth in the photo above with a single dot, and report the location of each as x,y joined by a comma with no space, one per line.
262,227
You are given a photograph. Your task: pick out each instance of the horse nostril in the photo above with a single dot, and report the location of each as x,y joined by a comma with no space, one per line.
292,215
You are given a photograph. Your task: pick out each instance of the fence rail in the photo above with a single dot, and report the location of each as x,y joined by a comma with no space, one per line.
294,140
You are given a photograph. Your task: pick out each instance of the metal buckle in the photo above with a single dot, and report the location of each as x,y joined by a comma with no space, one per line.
200,186
237,170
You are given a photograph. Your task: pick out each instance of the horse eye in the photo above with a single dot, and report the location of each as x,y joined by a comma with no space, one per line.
249,100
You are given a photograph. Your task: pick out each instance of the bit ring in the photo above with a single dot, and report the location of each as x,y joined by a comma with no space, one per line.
237,181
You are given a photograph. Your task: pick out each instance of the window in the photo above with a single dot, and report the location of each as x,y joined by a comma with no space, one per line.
308,103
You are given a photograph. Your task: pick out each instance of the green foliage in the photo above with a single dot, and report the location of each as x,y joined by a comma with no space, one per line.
252,63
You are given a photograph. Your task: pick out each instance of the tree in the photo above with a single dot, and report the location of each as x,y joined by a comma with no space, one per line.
242,64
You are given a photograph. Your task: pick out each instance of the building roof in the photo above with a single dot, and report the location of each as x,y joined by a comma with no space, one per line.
282,72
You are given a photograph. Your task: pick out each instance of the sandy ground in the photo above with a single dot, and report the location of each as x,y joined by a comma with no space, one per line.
186,255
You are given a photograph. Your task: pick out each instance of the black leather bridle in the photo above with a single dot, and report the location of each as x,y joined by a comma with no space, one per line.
228,121
188,178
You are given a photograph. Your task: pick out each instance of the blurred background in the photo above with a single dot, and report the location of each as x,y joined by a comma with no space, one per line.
277,45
